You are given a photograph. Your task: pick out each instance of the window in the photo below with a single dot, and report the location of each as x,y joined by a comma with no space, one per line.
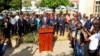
97,2
97,7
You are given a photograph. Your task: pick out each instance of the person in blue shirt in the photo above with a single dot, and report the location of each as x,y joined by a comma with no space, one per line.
38,22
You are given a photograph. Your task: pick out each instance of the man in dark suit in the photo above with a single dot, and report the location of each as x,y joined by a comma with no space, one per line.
56,24
27,23
21,25
45,20
62,25
87,24
32,22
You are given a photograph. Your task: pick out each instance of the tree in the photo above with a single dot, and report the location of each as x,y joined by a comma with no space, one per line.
4,4
27,4
53,3
7,4
71,4
16,4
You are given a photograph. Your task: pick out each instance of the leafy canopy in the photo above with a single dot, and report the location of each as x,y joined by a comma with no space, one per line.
27,4
7,4
53,3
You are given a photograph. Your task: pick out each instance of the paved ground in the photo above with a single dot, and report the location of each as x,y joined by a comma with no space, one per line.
61,48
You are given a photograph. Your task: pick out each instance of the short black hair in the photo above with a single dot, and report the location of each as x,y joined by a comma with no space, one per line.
77,23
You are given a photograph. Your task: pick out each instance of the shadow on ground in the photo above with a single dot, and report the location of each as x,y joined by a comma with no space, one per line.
28,51
54,40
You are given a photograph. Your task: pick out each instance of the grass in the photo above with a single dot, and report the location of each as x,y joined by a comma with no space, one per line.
31,38
28,38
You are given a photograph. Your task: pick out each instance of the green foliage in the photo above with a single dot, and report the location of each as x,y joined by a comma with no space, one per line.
53,3
27,4
7,4
31,38
15,4
4,4
71,4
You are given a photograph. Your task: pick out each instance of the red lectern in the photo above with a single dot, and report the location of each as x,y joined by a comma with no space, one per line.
46,39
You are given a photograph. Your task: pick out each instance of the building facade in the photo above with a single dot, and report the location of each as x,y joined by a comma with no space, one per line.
89,6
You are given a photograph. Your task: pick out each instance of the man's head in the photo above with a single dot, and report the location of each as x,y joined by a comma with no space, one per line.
92,16
78,25
96,24
85,18
21,16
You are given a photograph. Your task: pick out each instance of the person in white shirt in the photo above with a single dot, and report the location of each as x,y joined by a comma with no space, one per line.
17,17
13,22
94,39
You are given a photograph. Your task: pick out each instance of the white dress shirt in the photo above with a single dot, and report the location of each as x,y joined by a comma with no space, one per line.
94,41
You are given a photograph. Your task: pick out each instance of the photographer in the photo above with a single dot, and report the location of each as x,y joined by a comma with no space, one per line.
94,39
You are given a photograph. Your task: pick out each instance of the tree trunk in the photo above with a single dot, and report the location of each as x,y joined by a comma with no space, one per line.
54,10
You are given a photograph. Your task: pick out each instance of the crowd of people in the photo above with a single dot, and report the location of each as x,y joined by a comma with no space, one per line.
84,30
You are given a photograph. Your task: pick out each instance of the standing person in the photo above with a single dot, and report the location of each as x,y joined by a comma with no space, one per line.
94,39
79,16
13,22
51,17
32,22
21,26
87,23
16,17
27,23
56,23
68,20
92,18
6,30
79,41
62,25
38,22
73,30
45,20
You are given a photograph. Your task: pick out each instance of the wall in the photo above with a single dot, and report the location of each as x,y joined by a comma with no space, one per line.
86,6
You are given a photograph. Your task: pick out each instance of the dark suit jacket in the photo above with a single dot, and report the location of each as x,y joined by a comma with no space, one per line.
87,24
32,21
21,23
62,22
56,21
8,24
47,21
